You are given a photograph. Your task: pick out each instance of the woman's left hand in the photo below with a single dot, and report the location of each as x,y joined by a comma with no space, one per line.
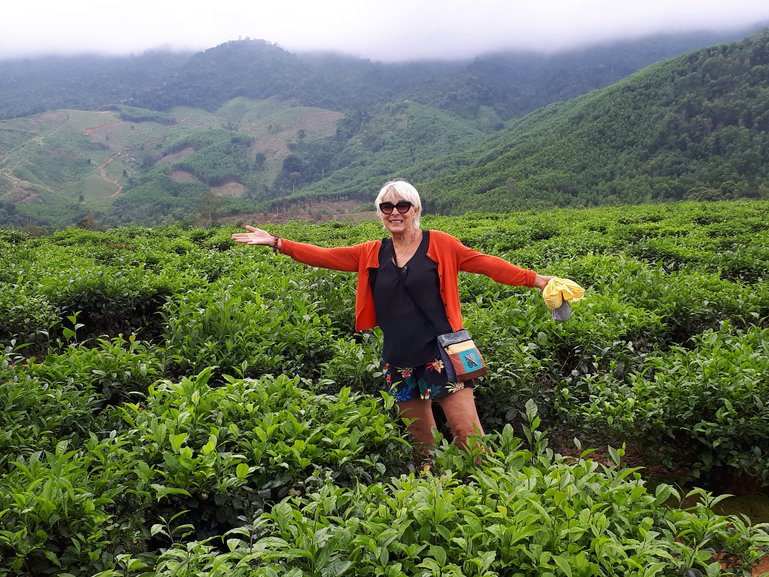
541,281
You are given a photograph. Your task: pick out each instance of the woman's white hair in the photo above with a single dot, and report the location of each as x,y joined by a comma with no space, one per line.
396,190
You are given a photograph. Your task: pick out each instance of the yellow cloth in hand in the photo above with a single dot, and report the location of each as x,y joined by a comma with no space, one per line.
558,290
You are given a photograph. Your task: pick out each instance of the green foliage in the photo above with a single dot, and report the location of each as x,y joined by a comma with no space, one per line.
247,442
691,128
55,517
81,82
220,453
237,328
219,156
107,298
134,114
356,364
709,399
158,200
243,429
24,315
519,513
116,368
113,283
388,138
36,415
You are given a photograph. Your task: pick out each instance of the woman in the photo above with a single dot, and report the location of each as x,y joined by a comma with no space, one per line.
407,285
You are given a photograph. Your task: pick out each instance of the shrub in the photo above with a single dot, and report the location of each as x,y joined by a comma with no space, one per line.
109,301
522,512
241,329
115,368
704,405
355,364
229,450
24,315
55,516
36,415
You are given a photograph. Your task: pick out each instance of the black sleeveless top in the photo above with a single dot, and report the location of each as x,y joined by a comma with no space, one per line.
408,306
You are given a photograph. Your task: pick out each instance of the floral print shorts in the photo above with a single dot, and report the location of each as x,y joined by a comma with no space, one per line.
428,381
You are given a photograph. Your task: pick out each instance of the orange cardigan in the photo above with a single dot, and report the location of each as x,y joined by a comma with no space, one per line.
447,251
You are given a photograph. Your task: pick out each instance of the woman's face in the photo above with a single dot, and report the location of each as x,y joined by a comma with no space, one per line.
395,222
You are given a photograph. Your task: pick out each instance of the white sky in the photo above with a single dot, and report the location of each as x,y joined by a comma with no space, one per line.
387,30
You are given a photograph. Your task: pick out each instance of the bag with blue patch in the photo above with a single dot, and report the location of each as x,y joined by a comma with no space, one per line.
461,357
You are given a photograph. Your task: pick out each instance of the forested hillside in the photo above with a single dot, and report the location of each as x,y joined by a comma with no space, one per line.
694,127
248,127
31,86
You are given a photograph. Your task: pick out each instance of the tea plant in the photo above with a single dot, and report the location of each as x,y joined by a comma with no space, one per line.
54,517
235,324
215,407
521,512
709,399
356,364
116,368
37,415
25,314
233,448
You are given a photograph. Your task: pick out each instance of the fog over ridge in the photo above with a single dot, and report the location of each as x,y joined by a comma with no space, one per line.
395,31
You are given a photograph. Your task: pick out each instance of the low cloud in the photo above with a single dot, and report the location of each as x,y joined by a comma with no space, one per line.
392,31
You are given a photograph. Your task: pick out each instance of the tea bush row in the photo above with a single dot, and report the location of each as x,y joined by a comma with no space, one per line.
522,512
73,500
702,407
124,449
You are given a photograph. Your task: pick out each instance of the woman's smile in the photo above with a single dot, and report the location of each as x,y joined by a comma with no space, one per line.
399,222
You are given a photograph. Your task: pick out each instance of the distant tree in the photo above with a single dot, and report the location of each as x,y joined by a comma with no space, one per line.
295,178
210,205
88,222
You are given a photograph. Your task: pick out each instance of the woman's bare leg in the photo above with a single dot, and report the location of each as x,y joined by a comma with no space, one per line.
461,414
421,425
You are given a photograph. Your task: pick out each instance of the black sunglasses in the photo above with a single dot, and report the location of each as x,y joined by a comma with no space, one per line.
403,207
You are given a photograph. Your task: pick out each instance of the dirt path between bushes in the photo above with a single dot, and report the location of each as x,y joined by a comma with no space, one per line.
761,568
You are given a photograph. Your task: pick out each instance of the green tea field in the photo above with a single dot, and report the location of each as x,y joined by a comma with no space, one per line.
172,403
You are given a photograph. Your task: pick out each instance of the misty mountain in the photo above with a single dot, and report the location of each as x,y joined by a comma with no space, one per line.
246,125
32,85
512,83
695,127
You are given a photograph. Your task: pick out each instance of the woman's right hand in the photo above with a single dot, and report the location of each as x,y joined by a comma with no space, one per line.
254,236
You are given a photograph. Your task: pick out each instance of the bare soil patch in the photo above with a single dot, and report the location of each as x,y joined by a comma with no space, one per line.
183,176
231,189
320,211
761,568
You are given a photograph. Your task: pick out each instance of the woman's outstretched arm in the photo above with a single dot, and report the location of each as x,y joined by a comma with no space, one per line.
344,258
